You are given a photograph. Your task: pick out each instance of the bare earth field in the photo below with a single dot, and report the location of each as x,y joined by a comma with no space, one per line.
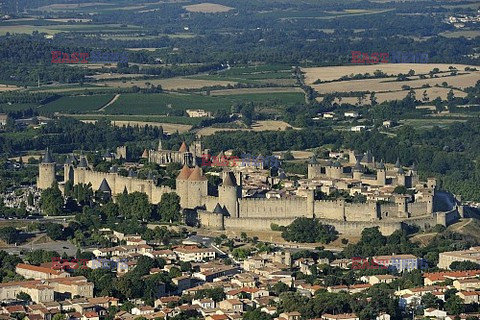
6,87
207,8
267,125
399,95
470,34
296,154
334,73
387,88
227,92
387,85
70,19
65,6
171,84
102,76
167,127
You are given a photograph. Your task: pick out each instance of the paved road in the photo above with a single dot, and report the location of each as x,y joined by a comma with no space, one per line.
58,246
207,242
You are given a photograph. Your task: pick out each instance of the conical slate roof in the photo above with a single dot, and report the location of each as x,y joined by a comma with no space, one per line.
282,175
114,169
131,173
83,162
401,171
337,164
368,156
184,173
183,147
312,160
104,187
70,159
228,180
381,165
197,175
358,166
48,157
397,164
218,209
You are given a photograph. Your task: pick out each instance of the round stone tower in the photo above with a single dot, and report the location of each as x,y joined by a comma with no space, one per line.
381,174
314,168
197,188
68,168
401,177
336,170
80,172
182,185
46,172
357,171
228,194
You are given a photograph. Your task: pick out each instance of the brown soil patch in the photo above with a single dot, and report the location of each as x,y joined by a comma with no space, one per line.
207,8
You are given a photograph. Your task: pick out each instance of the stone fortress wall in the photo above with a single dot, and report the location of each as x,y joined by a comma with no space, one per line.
230,210
119,184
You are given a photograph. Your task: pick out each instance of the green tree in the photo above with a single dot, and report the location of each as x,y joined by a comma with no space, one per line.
30,199
256,315
169,207
464,265
24,296
135,205
55,231
279,287
431,301
59,316
454,305
309,230
51,201
9,234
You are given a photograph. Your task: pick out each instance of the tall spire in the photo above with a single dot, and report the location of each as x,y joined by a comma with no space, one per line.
229,180
48,157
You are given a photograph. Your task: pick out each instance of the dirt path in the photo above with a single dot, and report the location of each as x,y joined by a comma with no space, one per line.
109,103
461,224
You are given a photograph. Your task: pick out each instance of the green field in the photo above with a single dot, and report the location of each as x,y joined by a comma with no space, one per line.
77,104
17,107
250,74
163,103
161,119
54,28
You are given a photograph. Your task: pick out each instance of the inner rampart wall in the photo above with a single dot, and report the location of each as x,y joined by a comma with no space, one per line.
118,183
353,228
273,208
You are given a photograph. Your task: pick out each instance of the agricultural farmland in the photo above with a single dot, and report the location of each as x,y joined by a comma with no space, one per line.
166,103
77,104
326,80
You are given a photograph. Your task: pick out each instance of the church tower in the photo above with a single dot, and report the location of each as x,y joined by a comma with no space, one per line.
46,172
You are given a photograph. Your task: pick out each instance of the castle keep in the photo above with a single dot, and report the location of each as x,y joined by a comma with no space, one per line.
231,208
